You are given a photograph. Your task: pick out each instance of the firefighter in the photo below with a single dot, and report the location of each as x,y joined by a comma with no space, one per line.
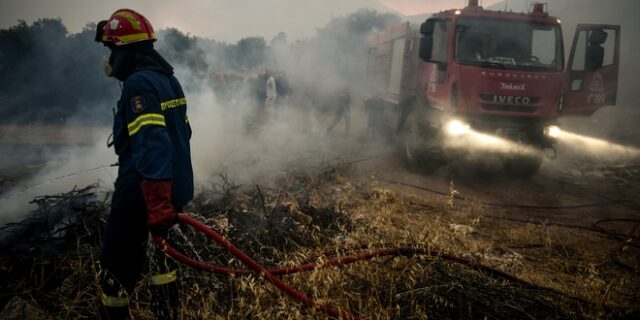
272,92
265,92
151,134
343,109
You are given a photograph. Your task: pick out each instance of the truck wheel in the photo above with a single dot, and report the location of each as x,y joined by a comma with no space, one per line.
376,121
420,148
522,167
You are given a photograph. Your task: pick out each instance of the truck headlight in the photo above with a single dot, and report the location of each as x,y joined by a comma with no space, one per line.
552,132
456,128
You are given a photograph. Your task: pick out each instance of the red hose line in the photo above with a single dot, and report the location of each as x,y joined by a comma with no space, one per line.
252,264
270,274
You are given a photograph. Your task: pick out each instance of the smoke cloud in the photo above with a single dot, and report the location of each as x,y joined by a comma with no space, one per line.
51,78
224,84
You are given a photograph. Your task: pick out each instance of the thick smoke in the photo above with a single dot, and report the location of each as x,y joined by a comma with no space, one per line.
49,77
232,136
61,83
78,158
55,105
52,79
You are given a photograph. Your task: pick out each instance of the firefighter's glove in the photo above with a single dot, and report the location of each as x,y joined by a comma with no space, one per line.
162,215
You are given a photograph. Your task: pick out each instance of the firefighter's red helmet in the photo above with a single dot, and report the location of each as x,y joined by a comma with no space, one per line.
125,26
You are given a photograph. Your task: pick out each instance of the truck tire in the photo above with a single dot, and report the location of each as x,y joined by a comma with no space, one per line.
522,167
420,147
376,123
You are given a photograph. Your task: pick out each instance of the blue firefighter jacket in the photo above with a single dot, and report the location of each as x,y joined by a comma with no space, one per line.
151,133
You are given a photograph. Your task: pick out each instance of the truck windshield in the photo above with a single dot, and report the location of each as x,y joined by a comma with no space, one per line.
509,44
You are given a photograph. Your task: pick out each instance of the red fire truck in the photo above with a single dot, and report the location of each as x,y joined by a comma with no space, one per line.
492,72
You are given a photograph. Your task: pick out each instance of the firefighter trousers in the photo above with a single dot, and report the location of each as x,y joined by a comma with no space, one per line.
125,252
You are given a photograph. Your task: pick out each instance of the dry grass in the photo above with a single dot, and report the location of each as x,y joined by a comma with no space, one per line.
327,213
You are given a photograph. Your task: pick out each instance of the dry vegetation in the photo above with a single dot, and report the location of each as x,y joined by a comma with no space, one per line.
335,212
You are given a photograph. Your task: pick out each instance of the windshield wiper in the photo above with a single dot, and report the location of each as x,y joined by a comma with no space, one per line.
486,63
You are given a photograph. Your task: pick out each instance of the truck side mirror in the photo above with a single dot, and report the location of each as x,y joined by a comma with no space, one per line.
427,27
426,47
426,42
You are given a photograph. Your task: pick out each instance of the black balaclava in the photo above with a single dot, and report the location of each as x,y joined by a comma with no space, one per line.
125,60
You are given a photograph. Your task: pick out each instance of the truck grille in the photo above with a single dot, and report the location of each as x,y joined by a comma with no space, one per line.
509,103
509,108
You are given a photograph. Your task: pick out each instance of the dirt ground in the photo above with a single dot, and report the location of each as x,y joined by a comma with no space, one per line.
571,231
572,227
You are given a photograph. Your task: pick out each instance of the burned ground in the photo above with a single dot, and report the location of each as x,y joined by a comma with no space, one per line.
561,245
570,244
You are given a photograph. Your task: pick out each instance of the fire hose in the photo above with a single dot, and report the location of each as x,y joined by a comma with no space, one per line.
270,274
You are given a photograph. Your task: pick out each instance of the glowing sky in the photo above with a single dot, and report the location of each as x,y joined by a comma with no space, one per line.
415,7
227,20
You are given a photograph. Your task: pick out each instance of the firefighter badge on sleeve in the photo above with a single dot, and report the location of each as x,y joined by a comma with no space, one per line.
137,104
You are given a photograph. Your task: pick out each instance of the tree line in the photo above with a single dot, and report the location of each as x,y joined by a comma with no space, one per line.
48,75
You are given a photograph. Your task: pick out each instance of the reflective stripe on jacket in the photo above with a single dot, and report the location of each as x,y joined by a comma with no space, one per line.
151,133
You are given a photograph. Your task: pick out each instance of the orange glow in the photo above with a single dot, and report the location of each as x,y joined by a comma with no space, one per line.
416,7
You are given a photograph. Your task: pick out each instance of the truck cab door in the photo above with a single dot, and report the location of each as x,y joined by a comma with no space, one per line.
434,50
592,69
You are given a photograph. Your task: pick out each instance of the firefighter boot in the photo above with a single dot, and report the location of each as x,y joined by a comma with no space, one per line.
115,300
164,286
165,300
